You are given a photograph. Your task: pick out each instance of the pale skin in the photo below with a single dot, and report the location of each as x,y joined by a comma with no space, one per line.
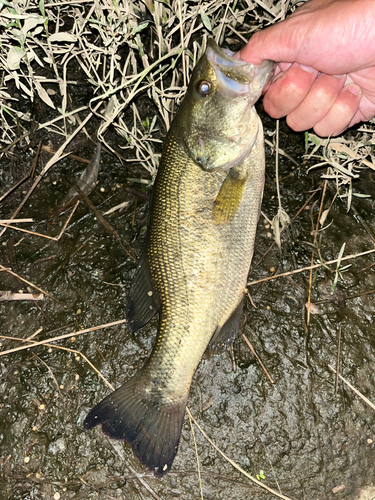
325,73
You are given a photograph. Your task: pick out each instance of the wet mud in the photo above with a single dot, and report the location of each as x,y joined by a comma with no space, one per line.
298,434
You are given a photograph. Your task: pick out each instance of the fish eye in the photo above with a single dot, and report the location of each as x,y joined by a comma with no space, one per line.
204,88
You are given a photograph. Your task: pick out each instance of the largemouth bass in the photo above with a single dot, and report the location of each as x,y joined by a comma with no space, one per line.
204,213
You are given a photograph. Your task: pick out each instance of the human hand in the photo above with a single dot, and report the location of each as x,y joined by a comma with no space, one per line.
325,73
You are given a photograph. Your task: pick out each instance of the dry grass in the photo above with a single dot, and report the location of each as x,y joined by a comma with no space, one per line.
159,43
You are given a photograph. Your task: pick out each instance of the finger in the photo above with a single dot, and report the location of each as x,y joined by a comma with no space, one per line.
318,101
287,92
341,113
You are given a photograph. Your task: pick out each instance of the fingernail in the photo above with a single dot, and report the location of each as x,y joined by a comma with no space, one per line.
308,69
353,89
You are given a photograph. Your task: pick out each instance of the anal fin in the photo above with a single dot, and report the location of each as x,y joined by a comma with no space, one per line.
225,336
143,301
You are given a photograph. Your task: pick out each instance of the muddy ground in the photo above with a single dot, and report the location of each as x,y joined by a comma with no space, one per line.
309,441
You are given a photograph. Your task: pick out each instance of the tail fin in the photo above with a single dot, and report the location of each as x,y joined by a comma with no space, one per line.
149,423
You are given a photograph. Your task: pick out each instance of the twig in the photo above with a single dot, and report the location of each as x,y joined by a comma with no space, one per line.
338,361
56,157
2,268
315,266
108,227
282,230
281,151
257,358
50,372
30,173
367,401
14,221
65,336
236,466
197,456
8,296
62,348
53,238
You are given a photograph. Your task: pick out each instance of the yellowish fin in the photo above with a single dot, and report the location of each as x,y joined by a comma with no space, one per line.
228,200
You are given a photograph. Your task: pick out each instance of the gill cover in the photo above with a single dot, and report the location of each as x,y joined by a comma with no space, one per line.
218,122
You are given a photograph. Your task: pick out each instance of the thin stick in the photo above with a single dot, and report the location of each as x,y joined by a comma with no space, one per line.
338,362
269,143
257,358
30,173
277,164
54,339
7,296
14,221
2,268
312,254
103,221
50,372
274,243
196,454
53,238
56,157
253,479
33,166
78,353
315,266
367,401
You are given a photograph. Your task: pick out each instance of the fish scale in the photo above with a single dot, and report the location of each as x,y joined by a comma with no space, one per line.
204,212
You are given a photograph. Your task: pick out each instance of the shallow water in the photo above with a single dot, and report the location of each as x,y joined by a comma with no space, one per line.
306,438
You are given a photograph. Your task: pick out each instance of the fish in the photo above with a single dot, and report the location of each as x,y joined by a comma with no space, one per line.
204,212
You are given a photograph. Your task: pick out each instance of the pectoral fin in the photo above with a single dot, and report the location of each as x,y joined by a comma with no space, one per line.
143,301
228,200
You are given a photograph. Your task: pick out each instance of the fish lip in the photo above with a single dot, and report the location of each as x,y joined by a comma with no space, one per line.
236,77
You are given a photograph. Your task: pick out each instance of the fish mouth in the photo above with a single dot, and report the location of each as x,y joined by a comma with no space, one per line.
238,78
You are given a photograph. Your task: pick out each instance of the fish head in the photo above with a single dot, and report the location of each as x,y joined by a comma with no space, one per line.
217,119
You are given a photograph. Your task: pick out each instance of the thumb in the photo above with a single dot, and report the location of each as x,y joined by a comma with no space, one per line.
278,43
